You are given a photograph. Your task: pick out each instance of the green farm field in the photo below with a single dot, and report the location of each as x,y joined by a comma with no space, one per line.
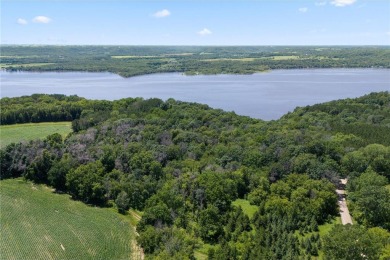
39,224
26,65
19,132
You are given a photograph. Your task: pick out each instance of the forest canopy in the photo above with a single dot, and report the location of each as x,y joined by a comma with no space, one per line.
185,165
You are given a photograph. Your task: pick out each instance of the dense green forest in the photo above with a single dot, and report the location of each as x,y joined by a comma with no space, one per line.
130,61
184,164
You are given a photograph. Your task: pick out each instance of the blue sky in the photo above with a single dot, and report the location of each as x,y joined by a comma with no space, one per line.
215,22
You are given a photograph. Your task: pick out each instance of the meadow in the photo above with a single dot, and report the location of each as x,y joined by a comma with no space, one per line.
247,208
26,132
37,223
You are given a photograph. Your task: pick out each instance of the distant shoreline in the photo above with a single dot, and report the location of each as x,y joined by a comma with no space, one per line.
130,61
3,70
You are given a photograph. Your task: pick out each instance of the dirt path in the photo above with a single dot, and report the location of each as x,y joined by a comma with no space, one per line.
135,215
344,212
137,251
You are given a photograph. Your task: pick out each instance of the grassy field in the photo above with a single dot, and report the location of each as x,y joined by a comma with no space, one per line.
39,224
4,65
247,208
151,56
16,133
232,59
286,57
133,57
325,228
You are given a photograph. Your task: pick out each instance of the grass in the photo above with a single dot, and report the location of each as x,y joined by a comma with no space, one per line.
200,256
18,57
325,228
39,224
178,54
286,57
132,57
4,65
248,209
231,59
134,216
202,252
151,56
19,132
322,231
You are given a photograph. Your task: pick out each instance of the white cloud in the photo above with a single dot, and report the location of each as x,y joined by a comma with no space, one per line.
341,3
41,19
21,21
388,33
320,3
161,14
204,32
303,9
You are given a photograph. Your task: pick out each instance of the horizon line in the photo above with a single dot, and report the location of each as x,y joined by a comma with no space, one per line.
191,45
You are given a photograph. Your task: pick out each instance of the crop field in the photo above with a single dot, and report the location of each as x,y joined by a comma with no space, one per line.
233,59
19,132
5,65
18,57
134,57
286,57
39,224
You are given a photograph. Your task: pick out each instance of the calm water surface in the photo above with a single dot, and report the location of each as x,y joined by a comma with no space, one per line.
265,95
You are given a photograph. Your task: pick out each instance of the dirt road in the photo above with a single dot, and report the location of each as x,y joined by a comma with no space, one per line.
344,212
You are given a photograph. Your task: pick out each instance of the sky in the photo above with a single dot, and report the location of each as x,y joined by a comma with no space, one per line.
192,22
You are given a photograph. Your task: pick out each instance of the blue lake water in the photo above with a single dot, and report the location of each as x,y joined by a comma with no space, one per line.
264,95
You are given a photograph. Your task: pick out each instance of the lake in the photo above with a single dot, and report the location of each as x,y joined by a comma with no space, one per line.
266,95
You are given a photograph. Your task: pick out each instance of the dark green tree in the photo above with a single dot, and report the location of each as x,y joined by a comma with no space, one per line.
39,168
122,202
210,224
86,183
57,173
350,242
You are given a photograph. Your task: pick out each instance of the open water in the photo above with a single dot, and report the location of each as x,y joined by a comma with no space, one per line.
266,95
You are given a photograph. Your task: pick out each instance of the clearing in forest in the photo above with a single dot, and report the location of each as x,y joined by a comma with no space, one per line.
26,132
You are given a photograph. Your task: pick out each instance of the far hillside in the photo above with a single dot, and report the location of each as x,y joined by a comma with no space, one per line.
129,61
